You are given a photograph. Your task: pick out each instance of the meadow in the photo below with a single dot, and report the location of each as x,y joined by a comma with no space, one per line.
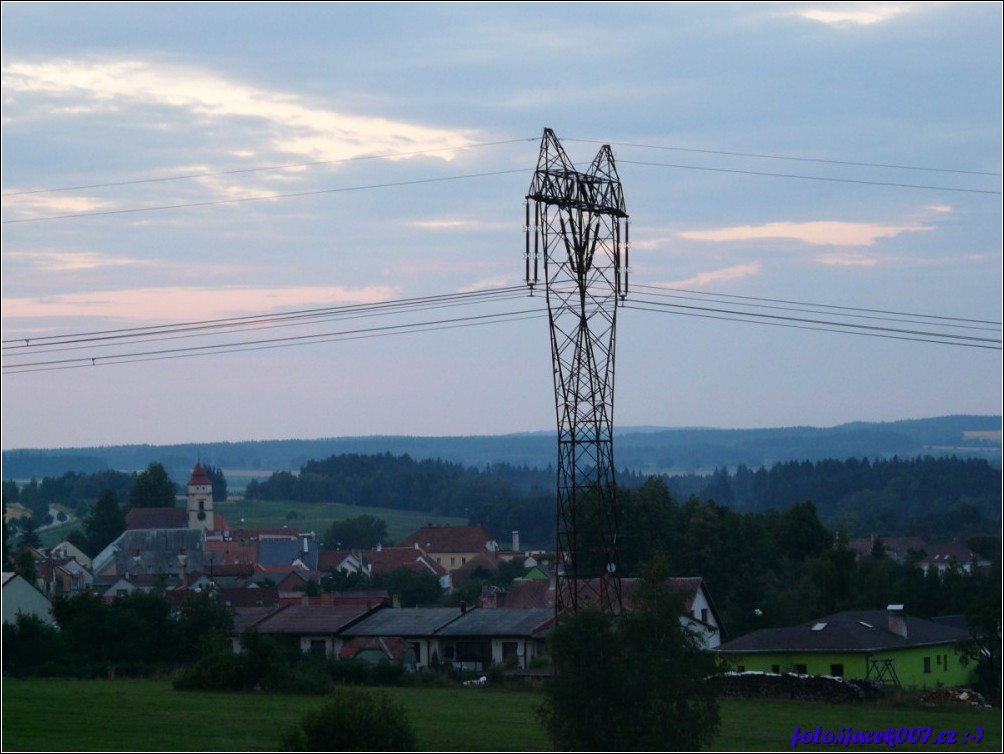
315,517
148,715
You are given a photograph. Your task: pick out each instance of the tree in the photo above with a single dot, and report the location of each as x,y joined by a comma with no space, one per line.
219,481
413,588
359,533
29,535
353,721
104,523
636,682
152,488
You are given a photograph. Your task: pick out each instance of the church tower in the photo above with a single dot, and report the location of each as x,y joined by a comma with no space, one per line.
200,500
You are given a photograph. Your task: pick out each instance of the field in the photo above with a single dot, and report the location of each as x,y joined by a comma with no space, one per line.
147,715
316,517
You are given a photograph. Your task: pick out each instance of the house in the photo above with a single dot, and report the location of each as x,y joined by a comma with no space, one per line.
379,649
885,646
315,629
388,559
942,557
415,625
66,550
344,561
451,546
63,576
895,548
169,553
479,639
699,611
19,596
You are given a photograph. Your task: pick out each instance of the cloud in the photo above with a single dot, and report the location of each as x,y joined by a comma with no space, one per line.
824,233
188,304
459,225
486,284
847,260
856,14
294,125
736,272
29,206
70,261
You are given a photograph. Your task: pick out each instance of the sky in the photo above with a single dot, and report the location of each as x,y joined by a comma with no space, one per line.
814,192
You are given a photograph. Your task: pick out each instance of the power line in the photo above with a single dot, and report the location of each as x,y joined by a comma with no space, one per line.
216,202
816,324
257,321
264,168
42,348
268,343
894,316
810,177
793,159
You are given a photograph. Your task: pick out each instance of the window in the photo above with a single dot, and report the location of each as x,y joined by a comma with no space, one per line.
318,647
800,669
837,669
927,664
740,668
775,668
453,561
704,615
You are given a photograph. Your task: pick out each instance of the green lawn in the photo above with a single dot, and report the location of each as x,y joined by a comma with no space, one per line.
147,715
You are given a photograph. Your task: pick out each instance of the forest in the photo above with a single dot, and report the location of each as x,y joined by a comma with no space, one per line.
933,497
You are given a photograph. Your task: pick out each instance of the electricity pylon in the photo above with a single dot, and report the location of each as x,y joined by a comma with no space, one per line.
579,226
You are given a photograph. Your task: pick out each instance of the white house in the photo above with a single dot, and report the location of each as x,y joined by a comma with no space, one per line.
21,597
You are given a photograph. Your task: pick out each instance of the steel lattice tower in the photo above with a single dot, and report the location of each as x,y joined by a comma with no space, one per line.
579,225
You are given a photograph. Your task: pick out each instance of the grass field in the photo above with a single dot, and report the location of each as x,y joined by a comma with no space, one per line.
316,517
147,715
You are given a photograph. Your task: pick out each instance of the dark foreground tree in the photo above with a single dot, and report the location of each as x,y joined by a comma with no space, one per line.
152,488
353,721
359,533
637,682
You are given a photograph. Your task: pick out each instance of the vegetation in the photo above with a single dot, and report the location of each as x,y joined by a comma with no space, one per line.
643,674
452,718
153,488
134,635
357,533
352,720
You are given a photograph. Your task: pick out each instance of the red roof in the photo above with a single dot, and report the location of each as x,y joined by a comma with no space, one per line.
439,539
387,559
199,476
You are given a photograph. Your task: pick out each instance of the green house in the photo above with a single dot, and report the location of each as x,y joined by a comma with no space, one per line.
879,645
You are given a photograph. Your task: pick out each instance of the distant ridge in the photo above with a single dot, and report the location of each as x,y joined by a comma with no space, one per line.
643,449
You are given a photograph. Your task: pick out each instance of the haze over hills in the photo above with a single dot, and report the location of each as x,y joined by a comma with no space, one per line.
639,449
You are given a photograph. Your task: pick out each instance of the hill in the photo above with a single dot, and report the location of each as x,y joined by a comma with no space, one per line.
645,450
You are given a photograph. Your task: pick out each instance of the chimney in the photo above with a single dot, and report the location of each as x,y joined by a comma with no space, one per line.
395,600
305,600
897,620
515,541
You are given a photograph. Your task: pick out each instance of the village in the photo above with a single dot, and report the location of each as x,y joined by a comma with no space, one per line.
268,579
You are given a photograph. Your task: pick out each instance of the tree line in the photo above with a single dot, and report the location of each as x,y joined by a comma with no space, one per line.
932,497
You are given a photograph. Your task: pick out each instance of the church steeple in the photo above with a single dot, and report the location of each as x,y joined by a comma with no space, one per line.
200,499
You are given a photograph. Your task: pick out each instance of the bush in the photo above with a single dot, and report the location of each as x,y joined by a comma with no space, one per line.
352,721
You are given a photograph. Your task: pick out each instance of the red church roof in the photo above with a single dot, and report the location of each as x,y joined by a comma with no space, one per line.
199,476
